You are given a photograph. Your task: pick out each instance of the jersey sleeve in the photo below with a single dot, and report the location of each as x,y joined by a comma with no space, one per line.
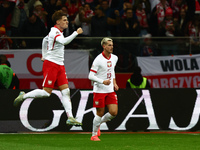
66,40
44,46
92,74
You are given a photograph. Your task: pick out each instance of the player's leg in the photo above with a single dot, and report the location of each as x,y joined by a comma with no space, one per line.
99,103
111,114
37,93
48,84
66,102
112,103
96,124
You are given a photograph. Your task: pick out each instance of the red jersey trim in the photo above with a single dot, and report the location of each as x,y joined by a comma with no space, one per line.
93,71
57,28
105,56
55,40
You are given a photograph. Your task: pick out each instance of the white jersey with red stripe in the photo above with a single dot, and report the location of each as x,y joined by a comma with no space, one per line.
55,45
103,69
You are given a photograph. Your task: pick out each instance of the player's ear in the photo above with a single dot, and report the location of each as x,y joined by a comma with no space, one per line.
58,22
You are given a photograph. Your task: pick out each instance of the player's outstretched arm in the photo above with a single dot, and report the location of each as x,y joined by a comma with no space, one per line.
68,39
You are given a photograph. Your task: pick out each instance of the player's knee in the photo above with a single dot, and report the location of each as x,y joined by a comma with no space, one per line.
113,113
100,112
46,94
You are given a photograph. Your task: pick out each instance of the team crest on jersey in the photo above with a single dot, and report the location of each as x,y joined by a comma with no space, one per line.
49,82
109,64
57,32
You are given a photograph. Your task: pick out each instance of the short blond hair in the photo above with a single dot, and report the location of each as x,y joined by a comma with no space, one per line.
105,40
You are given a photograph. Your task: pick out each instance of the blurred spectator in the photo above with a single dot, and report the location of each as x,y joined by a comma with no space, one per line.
109,12
142,18
169,28
92,3
6,8
129,26
51,7
86,13
137,80
193,31
146,5
176,6
40,12
33,27
182,21
5,41
106,9
19,16
157,16
8,79
126,5
99,22
73,8
148,47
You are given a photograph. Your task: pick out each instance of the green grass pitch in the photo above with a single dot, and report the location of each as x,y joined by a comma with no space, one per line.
110,141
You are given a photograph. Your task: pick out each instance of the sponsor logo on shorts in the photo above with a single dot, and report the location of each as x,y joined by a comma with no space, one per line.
49,82
96,103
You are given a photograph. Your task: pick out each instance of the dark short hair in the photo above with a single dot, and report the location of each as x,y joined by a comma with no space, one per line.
3,60
58,15
99,7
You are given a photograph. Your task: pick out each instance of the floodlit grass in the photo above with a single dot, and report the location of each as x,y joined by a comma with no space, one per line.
110,141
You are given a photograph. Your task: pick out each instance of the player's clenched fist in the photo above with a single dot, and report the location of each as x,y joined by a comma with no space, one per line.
106,82
79,30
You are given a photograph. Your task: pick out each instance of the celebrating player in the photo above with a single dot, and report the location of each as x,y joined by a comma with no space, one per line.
103,74
53,67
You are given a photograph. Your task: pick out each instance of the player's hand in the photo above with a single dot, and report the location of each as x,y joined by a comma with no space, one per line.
79,30
42,59
106,82
116,87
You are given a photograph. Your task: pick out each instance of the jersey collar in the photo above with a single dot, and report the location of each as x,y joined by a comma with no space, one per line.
58,28
105,56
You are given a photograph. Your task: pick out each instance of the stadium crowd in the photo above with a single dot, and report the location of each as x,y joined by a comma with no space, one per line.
99,18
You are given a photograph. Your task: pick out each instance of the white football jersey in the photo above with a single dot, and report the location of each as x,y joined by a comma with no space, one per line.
44,47
55,45
103,69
